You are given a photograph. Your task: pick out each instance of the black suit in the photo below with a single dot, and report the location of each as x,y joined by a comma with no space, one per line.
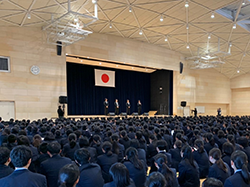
23,178
106,107
139,108
116,105
176,157
90,175
5,171
235,180
112,184
203,162
51,167
128,108
216,172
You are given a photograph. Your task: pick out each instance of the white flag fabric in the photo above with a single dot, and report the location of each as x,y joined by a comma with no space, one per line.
104,78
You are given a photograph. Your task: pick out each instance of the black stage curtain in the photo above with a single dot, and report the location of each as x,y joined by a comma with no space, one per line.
84,98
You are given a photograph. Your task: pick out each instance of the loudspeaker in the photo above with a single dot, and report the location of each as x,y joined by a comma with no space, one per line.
181,67
135,114
183,103
111,114
59,48
145,114
123,114
63,99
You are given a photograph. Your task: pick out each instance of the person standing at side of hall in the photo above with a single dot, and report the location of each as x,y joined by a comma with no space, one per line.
139,107
219,111
106,106
60,112
116,104
128,107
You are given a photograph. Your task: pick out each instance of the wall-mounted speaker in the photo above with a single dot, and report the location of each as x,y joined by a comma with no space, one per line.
181,67
59,48
183,103
63,99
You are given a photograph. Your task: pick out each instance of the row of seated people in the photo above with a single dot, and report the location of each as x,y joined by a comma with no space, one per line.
167,145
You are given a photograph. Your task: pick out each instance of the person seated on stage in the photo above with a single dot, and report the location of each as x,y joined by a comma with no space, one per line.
212,182
106,106
21,159
128,107
5,170
116,105
69,176
90,173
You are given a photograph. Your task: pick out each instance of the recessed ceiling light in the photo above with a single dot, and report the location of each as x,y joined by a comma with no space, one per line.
188,47
238,71
100,63
166,39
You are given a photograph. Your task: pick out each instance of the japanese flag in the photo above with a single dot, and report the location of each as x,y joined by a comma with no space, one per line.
104,78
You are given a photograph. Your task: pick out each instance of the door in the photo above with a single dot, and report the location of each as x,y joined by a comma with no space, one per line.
186,111
7,110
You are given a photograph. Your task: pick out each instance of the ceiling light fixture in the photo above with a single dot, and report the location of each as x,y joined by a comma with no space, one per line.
186,4
212,16
140,32
166,39
234,27
188,46
28,15
243,3
161,19
100,63
238,71
230,44
130,9
110,25
209,36
187,27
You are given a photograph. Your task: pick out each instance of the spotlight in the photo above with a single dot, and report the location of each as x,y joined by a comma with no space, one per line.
234,27
130,9
230,44
140,32
187,46
243,3
238,71
186,4
100,63
212,16
28,15
209,36
187,27
161,19
110,26
166,39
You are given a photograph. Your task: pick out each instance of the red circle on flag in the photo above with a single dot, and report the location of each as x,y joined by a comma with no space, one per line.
105,78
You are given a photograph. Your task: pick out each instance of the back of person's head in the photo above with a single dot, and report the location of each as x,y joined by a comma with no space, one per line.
231,139
37,139
134,143
84,142
210,138
187,154
12,138
215,153
178,144
162,145
20,155
97,139
212,182
23,140
243,142
43,148
132,155
82,156
114,140
221,134
107,147
156,179
72,140
227,148
69,176
120,175
200,145
240,161
4,155
54,148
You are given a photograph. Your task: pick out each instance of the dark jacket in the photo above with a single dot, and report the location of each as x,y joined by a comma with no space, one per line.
23,178
137,175
112,184
69,152
203,162
176,157
216,172
90,175
188,175
236,180
51,167
5,171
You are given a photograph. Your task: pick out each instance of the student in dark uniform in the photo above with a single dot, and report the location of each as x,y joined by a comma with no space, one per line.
69,176
106,106
139,107
116,105
241,176
5,170
128,107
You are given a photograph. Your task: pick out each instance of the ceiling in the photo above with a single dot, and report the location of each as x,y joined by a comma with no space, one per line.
126,18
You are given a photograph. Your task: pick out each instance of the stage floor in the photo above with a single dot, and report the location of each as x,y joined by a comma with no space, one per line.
104,116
